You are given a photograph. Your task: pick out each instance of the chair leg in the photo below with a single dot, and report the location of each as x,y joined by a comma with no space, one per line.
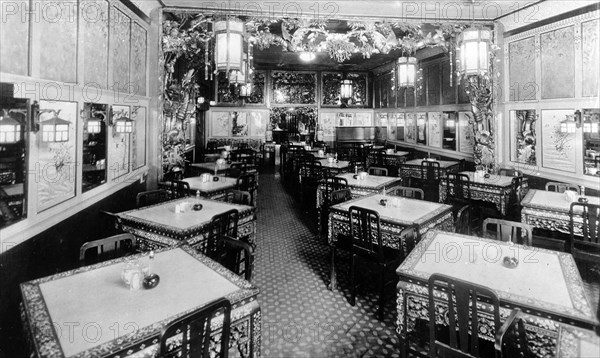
381,287
352,280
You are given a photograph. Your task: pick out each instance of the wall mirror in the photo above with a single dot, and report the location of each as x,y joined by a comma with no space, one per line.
94,118
449,121
13,160
591,141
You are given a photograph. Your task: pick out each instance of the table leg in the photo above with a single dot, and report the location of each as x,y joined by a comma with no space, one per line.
333,280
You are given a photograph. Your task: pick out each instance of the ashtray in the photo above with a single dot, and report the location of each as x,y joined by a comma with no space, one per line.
510,262
151,281
229,162
197,207
215,178
486,175
383,202
582,200
355,176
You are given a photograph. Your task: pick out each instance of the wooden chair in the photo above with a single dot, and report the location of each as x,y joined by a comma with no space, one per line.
108,248
379,171
365,235
431,174
584,246
407,192
238,197
561,187
113,219
247,182
462,221
179,189
458,192
224,246
331,184
461,299
310,173
151,197
195,331
341,195
508,231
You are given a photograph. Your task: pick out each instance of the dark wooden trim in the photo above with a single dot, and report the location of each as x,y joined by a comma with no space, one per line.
550,20
131,6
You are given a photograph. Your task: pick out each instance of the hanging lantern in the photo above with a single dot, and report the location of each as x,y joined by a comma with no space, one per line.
124,125
346,89
55,129
10,129
474,45
407,71
229,45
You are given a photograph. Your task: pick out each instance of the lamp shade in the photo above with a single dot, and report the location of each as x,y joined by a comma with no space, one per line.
407,71
346,89
474,45
55,130
94,125
590,126
568,125
246,90
10,129
229,48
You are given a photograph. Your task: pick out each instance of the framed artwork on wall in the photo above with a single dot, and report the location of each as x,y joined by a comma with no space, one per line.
434,128
392,124
410,128
219,124
258,123
239,124
558,149
422,128
466,141
119,145
400,123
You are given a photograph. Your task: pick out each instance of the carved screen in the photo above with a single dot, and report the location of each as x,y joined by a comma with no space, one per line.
294,87
523,141
558,63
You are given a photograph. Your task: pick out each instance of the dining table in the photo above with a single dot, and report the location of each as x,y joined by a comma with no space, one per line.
335,167
550,210
575,342
163,224
496,189
405,212
393,158
211,189
412,168
544,284
91,312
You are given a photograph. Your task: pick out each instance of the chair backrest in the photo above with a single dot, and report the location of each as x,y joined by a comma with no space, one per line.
179,189
339,196
108,248
224,224
462,302
462,223
365,232
508,231
379,171
516,190
561,187
195,331
247,182
430,170
408,192
238,197
331,184
380,157
151,197
458,187
584,244
510,172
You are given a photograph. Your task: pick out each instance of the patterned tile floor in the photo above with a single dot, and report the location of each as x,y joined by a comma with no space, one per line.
301,317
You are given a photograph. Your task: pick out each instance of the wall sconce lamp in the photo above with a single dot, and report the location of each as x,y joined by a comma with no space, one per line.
93,123
10,127
346,89
245,90
122,123
54,129
590,126
571,123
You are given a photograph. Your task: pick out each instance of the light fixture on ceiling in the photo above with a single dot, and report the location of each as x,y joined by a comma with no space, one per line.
307,56
407,71
10,128
229,45
474,45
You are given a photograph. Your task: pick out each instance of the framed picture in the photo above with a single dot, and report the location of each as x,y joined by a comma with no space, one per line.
558,149
219,124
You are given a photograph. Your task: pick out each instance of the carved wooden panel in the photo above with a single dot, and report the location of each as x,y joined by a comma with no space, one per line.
95,47
330,88
590,58
522,79
14,54
138,60
119,49
294,87
376,92
58,46
257,96
523,143
558,63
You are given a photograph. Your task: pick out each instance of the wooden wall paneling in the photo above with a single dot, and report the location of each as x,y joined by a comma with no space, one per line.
590,59
522,80
15,39
95,44
558,63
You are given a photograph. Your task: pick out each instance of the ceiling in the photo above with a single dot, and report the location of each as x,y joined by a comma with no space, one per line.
274,57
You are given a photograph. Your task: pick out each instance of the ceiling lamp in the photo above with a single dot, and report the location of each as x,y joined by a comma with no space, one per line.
55,129
10,128
307,56
346,89
229,45
474,46
407,71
